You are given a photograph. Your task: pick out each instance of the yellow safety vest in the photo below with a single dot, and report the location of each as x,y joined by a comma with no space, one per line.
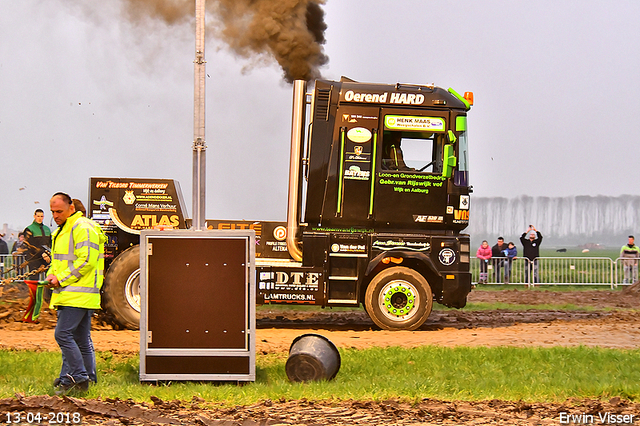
78,263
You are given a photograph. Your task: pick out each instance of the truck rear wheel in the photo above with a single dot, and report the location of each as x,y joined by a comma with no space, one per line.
121,292
398,298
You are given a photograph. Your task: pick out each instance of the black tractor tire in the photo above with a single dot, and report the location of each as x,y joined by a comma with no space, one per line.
121,290
398,298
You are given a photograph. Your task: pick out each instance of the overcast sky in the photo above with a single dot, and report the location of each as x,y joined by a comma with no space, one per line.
86,93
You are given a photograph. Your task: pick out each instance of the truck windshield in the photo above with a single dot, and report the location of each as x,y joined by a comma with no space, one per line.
412,151
461,174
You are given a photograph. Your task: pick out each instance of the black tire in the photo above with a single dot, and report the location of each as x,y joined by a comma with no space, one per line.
398,298
121,290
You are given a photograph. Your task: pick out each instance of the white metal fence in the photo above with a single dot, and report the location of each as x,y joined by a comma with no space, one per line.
9,266
543,271
558,271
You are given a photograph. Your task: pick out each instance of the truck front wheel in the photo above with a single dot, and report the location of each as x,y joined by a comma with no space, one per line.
398,298
121,291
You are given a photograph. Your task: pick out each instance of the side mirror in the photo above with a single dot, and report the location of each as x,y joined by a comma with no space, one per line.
449,161
451,136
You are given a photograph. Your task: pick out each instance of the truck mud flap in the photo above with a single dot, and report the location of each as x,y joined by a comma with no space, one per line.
455,289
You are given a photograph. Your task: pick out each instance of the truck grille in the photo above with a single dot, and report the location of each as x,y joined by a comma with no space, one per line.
322,104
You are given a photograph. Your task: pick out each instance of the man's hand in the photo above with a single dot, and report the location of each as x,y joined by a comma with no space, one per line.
53,281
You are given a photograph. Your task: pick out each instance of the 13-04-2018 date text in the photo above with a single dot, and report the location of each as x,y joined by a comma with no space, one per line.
36,417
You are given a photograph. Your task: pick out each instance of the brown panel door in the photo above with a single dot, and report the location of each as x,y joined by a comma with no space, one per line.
197,293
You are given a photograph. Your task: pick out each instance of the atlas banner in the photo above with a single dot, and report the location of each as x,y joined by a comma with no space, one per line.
271,237
136,204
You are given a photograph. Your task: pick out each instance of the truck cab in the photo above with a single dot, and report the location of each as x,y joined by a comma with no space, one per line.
384,197
386,157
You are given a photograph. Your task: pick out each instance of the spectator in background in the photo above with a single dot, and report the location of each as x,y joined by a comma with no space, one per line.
510,253
630,253
531,250
497,253
4,248
37,237
77,204
17,250
37,243
484,254
19,243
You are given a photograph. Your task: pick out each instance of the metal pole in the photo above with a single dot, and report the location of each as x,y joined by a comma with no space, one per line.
199,145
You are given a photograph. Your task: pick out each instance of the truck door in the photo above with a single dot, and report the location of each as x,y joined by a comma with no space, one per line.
358,127
410,189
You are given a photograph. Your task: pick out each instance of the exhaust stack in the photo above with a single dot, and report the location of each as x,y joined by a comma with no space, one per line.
295,165
199,146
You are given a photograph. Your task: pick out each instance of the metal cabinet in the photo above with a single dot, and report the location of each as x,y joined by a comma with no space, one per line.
197,297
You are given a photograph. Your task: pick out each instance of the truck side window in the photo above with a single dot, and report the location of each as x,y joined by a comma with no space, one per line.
461,174
392,154
412,151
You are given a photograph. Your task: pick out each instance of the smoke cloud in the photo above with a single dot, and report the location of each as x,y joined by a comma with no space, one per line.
289,31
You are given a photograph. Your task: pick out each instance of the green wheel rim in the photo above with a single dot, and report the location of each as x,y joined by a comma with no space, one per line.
399,300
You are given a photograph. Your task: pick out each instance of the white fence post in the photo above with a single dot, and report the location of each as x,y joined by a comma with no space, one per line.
9,266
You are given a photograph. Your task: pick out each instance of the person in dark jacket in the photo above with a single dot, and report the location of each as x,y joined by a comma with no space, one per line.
19,243
17,250
498,256
4,248
38,237
531,250
511,253
37,242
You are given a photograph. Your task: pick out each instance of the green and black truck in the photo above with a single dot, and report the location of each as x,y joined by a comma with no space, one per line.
378,201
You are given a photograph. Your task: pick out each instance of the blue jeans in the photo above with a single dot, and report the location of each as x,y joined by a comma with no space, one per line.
508,267
73,334
498,263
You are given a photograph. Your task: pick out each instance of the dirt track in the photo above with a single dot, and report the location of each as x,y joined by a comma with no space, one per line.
595,325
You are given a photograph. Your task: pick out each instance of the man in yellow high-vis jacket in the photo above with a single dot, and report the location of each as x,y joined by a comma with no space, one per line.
75,275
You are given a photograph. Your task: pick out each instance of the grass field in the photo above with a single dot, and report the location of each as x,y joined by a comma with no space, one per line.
373,374
610,252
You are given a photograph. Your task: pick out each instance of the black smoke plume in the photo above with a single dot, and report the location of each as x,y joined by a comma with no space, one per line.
290,31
